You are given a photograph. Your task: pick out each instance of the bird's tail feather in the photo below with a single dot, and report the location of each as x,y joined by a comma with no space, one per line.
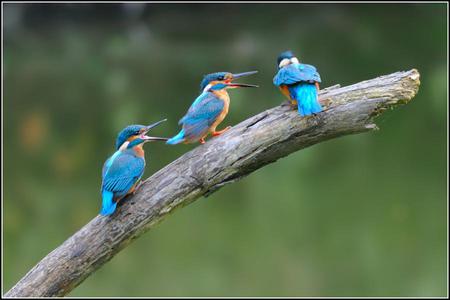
108,205
307,100
179,138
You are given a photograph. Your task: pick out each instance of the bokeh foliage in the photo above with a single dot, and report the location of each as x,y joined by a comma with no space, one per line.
361,215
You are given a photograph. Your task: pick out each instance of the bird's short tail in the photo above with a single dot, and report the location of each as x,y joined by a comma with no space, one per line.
307,100
179,138
108,205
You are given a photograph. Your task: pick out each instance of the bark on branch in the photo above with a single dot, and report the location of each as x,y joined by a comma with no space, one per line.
248,146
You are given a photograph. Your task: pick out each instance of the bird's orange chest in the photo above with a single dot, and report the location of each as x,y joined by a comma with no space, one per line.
285,91
223,95
139,151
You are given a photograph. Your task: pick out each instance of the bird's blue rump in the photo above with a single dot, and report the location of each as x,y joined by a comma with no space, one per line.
179,138
306,96
108,205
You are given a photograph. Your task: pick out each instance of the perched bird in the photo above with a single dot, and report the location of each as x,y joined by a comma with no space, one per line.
299,83
209,109
122,171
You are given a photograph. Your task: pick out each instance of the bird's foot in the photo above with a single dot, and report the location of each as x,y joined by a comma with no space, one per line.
138,185
202,140
286,103
289,103
216,133
325,102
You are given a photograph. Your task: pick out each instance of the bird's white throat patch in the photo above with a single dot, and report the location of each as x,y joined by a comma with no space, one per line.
207,88
124,146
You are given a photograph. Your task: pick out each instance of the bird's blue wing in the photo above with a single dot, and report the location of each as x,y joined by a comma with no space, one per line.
109,161
206,103
295,73
208,107
105,167
202,114
121,172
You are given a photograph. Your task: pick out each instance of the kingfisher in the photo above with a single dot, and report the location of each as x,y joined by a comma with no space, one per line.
299,83
209,109
122,171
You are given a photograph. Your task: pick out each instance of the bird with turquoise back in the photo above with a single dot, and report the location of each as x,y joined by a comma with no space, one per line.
123,170
299,83
209,109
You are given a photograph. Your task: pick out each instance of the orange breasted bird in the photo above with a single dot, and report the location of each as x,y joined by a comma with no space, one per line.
299,83
122,171
209,109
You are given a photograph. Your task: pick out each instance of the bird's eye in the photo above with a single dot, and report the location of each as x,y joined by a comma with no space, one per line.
221,78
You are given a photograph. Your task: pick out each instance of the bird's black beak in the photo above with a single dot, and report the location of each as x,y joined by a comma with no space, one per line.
237,85
152,138
244,74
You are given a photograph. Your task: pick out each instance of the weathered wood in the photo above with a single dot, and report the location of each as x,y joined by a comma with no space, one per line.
250,145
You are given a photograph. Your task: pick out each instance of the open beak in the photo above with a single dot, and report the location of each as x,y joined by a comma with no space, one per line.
244,74
237,85
145,137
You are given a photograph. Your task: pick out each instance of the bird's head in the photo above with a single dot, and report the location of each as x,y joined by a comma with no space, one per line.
286,58
136,135
223,80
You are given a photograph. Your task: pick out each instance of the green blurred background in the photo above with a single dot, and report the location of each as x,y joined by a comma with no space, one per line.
362,215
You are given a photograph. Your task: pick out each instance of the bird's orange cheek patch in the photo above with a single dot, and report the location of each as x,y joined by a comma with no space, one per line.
132,138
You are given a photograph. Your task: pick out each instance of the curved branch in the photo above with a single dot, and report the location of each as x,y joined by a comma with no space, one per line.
246,147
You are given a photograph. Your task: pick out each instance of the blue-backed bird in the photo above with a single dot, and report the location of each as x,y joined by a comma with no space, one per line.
209,109
299,83
122,171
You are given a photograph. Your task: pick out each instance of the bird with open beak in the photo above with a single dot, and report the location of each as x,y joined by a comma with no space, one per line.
123,170
209,109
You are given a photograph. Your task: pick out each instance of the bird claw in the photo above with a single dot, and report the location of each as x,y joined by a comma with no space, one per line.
202,141
325,102
217,133
137,187
289,104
